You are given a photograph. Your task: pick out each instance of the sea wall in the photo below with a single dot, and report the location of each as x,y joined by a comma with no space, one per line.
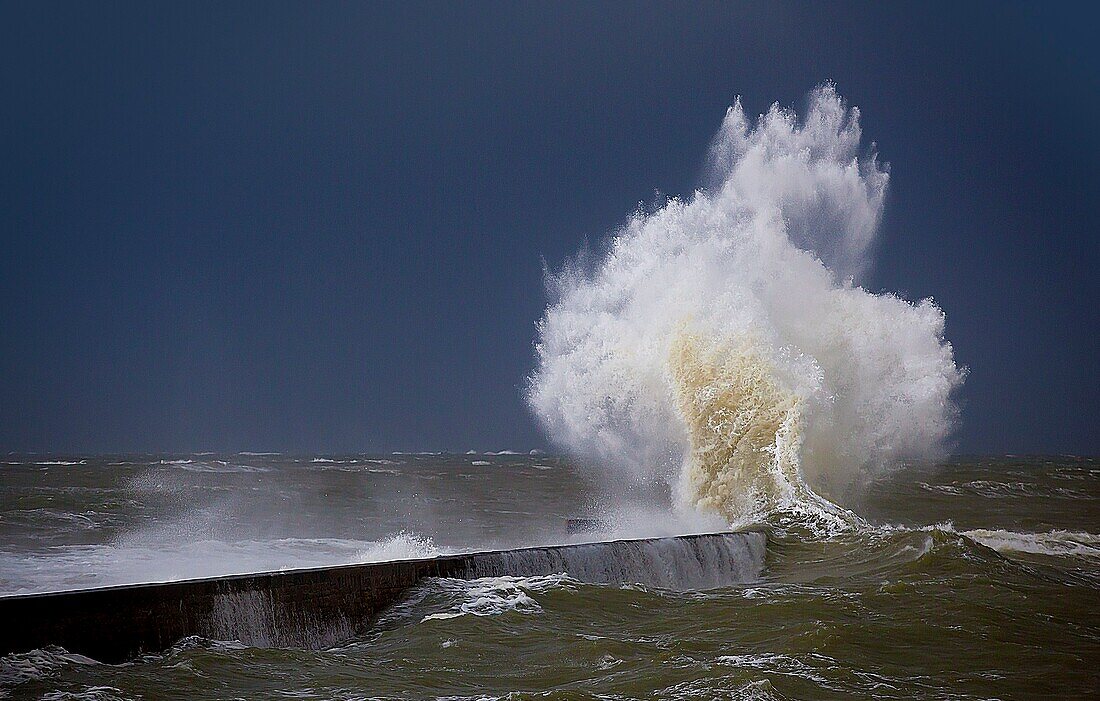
318,608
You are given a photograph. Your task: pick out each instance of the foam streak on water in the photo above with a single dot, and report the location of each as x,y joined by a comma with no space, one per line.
1057,542
1006,582
722,342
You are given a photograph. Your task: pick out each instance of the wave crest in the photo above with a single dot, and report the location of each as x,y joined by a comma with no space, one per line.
722,343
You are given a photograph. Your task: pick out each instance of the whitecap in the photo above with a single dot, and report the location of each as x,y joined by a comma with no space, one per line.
721,343
493,596
1056,542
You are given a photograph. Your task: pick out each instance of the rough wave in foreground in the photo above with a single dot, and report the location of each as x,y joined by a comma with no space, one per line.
722,342
1057,543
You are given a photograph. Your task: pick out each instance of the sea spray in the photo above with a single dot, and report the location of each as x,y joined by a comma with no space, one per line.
740,422
722,343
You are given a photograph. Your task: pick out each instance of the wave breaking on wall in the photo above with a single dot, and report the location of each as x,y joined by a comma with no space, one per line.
722,343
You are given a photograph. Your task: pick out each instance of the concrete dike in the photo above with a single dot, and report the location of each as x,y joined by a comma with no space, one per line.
318,608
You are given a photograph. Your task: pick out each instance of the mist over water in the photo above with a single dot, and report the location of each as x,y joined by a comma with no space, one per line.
995,600
722,344
717,365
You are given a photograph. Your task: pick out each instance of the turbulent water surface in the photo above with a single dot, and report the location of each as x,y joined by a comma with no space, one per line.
716,364
972,578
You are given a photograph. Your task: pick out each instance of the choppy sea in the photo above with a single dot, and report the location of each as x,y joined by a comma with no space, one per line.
975,578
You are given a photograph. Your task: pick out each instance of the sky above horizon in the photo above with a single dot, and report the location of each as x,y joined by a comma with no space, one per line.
323,228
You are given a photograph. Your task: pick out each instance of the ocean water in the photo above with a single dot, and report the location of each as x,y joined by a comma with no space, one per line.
717,362
970,578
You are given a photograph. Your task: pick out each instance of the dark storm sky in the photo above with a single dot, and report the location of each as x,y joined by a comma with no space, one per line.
314,227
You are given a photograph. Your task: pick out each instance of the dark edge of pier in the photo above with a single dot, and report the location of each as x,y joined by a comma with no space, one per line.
324,606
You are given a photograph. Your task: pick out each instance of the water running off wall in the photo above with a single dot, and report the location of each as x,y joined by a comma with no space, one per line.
324,606
722,343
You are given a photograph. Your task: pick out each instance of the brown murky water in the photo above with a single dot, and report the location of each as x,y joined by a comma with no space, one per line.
975,579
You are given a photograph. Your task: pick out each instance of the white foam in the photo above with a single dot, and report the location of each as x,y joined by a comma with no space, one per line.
85,566
777,664
722,342
220,466
1057,542
15,669
493,596
88,693
402,546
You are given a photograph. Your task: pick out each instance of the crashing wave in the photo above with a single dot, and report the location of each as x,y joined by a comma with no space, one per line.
723,345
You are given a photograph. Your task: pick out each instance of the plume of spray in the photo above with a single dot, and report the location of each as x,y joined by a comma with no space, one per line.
722,345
